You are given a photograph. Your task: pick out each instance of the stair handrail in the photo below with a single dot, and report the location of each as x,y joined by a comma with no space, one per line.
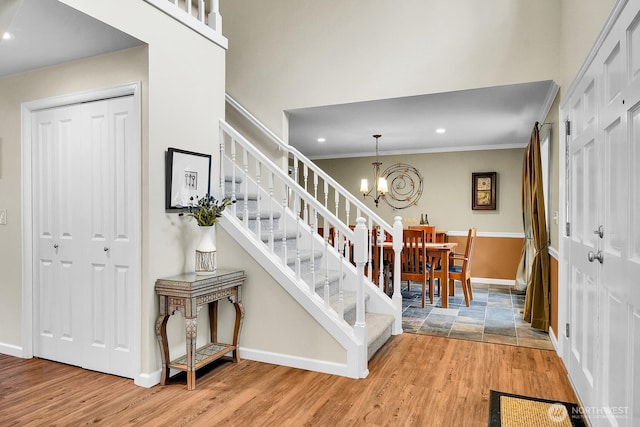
309,164
313,202
383,229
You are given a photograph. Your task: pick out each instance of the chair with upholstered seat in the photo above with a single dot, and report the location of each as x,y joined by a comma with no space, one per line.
413,261
460,269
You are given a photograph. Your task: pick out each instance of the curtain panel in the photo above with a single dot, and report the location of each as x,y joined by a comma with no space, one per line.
536,259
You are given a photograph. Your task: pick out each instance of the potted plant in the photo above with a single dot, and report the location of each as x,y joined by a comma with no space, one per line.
206,211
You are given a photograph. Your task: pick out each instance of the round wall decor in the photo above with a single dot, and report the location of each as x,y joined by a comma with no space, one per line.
405,185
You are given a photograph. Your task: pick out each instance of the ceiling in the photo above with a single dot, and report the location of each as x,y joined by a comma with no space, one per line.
476,119
47,32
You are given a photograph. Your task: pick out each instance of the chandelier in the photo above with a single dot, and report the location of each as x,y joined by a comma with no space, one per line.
380,187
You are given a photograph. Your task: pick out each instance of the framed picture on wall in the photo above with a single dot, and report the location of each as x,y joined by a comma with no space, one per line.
188,177
483,190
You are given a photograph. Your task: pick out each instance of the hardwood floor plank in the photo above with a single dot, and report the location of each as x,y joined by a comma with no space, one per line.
414,380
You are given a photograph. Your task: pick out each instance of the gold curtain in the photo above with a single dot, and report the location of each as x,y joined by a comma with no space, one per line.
536,306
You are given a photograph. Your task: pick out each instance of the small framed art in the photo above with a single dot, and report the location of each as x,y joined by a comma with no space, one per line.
483,190
188,177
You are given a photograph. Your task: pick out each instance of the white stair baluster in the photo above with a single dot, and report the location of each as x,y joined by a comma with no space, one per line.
271,225
258,206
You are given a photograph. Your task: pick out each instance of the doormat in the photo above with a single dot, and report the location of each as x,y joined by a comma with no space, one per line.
512,410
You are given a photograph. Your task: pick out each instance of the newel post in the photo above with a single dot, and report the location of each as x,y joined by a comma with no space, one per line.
397,295
215,20
360,247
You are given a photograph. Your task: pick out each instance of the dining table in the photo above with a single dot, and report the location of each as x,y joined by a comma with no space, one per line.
439,251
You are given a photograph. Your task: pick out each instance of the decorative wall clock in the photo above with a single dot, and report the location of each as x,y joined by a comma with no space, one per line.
405,185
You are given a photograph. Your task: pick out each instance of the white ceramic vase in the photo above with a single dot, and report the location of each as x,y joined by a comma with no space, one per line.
206,261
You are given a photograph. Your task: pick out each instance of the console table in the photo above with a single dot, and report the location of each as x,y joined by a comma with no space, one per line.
188,293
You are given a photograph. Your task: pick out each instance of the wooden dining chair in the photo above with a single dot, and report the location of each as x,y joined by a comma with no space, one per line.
430,237
460,269
429,231
413,265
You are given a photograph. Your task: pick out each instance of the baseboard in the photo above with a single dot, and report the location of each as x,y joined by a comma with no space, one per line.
148,380
151,379
294,362
489,281
554,341
11,350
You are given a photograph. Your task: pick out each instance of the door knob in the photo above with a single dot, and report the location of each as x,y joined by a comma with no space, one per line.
55,246
106,249
598,256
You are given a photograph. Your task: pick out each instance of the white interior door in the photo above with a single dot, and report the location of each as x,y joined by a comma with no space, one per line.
604,202
583,280
58,231
618,248
87,179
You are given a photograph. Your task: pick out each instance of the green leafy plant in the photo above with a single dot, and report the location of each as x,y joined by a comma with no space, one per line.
207,209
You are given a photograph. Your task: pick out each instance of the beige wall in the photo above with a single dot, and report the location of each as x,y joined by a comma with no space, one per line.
183,75
186,90
94,73
582,21
446,195
290,54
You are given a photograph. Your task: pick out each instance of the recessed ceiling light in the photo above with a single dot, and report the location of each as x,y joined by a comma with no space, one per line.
321,140
7,36
441,130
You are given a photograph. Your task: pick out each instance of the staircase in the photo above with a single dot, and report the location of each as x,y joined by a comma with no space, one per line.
281,225
309,262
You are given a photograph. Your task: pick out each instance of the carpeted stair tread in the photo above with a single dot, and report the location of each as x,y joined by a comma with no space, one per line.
252,197
305,255
331,275
378,331
229,178
278,235
253,215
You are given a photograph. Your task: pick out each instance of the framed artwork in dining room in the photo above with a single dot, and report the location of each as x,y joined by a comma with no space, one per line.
483,190
188,177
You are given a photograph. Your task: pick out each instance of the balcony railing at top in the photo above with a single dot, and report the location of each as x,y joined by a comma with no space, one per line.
342,203
199,15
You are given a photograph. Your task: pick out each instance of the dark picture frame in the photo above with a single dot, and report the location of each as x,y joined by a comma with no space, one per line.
483,190
187,177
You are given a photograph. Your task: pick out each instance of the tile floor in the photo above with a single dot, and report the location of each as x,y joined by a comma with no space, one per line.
494,315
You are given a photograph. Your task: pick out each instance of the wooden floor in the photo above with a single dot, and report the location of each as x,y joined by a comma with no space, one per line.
414,380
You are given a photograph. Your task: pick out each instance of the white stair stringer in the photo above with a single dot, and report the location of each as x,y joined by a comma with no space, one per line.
342,332
379,308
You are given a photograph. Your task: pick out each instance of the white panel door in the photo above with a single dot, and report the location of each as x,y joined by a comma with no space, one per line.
113,205
102,205
583,174
604,202
58,233
619,259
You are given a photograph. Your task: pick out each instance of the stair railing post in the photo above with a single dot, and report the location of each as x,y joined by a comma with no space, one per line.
215,20
360,246
396,298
